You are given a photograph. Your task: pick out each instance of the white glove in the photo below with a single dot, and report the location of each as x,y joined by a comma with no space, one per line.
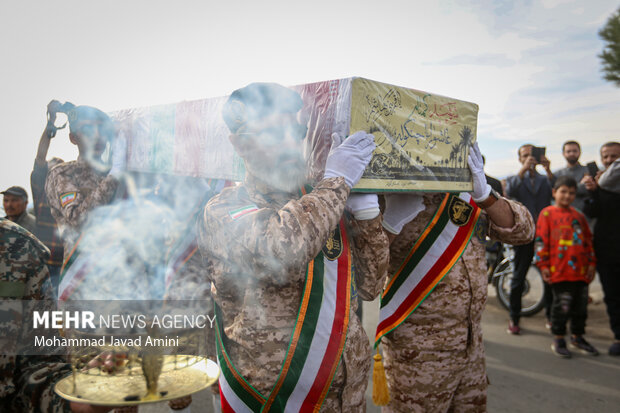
348,158
476,166
401,209
363,206
119,156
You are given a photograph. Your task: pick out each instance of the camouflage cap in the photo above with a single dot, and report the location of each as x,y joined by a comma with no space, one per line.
257,101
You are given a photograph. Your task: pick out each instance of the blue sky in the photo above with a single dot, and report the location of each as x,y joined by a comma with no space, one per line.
531,66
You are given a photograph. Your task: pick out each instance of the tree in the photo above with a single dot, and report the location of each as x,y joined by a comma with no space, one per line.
610,57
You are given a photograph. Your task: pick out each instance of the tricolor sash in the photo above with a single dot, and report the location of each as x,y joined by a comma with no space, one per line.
316,344
432,256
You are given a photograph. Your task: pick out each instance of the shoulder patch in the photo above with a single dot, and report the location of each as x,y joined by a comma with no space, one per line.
67,198
239,212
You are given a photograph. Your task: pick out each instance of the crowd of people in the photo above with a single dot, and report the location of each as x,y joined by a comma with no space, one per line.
576,229
285,263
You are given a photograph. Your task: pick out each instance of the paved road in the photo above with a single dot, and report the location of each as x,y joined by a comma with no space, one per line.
525,376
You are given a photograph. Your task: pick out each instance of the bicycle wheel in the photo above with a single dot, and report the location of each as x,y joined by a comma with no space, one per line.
532,299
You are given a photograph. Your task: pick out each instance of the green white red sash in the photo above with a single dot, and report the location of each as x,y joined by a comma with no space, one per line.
432,256
316,344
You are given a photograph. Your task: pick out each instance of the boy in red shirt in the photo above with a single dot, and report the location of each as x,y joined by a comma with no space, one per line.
565,256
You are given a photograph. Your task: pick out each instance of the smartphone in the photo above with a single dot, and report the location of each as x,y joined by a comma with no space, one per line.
592,168
538,152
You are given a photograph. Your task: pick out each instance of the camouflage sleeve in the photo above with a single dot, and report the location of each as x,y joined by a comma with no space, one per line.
522,232
270,243
371,254
74,213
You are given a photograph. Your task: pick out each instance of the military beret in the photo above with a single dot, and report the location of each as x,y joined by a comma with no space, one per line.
257,101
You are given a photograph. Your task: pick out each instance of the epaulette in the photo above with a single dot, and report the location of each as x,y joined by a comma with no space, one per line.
8,226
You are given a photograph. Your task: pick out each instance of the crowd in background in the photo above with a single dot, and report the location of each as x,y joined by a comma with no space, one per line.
597,196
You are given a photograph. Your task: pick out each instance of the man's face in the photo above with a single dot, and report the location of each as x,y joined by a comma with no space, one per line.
13,205
609,154
275,150
571,153
525,153
93,137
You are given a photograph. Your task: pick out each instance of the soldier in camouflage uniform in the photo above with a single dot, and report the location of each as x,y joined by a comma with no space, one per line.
75,188
26,381
435,359
257,261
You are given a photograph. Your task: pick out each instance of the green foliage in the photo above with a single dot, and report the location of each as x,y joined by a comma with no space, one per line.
610,57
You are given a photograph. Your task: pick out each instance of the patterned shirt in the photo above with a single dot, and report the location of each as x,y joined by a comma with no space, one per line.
564,244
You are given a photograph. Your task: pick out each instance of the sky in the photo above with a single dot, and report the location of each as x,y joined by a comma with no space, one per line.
531,66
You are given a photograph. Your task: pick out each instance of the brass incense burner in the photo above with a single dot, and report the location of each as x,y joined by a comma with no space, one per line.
132,374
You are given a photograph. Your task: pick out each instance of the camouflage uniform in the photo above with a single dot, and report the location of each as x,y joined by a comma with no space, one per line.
90,188
258,266
434,360
26,382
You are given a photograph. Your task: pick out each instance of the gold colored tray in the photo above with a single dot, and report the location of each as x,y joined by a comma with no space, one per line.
129,390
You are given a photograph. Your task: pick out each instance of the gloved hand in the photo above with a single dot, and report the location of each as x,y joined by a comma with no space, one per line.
119,156
363,206
476,165
400,209
348,157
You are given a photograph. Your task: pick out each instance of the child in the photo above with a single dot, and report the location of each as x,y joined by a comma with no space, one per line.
566,259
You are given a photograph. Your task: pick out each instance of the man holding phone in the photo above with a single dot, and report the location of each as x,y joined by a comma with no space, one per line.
571,150
534,191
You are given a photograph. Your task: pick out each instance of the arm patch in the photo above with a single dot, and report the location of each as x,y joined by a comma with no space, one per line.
67,198
239,212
